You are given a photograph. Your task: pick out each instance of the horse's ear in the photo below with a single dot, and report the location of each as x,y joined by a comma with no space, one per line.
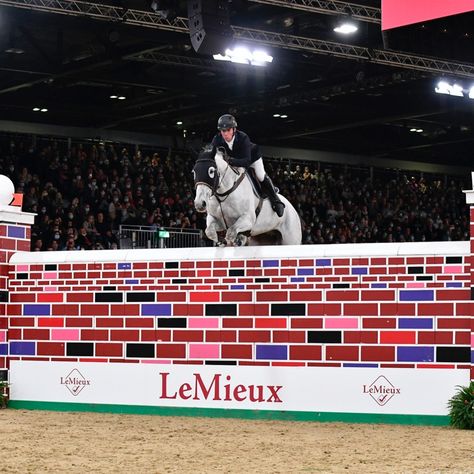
194,153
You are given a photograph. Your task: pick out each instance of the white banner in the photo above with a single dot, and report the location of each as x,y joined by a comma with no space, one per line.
312,389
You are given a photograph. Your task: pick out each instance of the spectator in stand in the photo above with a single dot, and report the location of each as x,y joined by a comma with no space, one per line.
84,193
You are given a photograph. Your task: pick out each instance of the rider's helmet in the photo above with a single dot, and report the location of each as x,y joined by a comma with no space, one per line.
226,121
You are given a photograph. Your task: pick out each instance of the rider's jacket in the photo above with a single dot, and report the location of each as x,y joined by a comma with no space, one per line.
243,152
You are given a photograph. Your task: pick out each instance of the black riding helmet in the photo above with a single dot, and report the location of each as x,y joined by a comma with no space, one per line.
226,121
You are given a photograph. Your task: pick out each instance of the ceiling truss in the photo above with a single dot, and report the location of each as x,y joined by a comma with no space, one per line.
329,7
279,40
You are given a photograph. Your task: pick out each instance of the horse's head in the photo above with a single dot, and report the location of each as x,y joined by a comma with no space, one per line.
206,178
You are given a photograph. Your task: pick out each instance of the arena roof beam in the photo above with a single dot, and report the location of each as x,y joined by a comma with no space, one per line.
329,7
101,12
278,40
409,114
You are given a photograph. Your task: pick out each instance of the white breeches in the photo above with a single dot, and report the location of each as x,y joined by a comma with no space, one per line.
259,169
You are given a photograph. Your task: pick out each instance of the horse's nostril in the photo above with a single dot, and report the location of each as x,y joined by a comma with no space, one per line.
203,203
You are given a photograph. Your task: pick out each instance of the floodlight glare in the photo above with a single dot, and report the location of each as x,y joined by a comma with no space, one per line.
36,109
242,55
346,28
471,93
449,89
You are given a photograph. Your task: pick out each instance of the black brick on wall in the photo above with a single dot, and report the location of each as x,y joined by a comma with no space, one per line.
171,322
453,354
324,336
288,309
81,349
109,297
221,310
140,350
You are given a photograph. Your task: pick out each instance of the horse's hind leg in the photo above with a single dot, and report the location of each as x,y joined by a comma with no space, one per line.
291,229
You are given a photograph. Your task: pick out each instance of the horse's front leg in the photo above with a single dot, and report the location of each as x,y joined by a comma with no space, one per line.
242,224
213,226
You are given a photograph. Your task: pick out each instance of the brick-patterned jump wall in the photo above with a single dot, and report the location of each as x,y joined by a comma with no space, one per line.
14,236
470,201
370,306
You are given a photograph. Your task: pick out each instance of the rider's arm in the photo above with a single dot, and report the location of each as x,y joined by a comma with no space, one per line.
242,152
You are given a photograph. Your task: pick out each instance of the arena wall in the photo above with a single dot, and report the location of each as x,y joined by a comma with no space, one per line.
366,332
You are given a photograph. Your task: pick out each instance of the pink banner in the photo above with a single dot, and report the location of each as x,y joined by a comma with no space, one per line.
397,13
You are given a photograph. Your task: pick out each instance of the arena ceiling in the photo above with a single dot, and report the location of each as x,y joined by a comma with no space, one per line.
343,94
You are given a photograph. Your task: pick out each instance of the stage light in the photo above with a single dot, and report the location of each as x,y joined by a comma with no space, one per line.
444,87
346,26
243,55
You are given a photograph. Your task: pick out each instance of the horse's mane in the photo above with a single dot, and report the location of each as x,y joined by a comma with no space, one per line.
207,153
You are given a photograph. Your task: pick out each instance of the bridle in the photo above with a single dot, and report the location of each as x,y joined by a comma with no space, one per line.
221,196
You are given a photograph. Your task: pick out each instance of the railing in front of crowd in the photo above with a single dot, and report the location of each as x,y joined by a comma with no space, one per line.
152,237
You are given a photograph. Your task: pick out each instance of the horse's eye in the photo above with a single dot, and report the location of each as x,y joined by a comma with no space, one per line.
212,172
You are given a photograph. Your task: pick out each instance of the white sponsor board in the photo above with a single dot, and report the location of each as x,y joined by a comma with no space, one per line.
312,389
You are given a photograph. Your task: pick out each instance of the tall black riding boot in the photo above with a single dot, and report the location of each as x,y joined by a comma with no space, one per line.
269,190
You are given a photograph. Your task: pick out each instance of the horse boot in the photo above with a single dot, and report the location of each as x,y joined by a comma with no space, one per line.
269,190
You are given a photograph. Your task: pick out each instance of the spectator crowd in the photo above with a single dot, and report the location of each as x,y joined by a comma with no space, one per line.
83,192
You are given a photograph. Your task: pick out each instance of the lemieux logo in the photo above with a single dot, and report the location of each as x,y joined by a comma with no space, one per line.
381,390
75,382
219,388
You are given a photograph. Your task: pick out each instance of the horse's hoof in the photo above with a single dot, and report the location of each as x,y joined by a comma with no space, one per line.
240,241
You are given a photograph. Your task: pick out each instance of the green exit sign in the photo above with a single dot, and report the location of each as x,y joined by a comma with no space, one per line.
163,234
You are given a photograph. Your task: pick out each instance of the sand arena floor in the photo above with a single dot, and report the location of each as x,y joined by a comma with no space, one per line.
41,441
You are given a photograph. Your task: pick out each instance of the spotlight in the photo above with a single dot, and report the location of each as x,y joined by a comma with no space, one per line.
346,26
444,87
243,55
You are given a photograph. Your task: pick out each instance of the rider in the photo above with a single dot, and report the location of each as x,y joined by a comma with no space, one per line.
244,153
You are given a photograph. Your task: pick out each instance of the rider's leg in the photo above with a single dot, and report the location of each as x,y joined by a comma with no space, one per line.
267,187
259,169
